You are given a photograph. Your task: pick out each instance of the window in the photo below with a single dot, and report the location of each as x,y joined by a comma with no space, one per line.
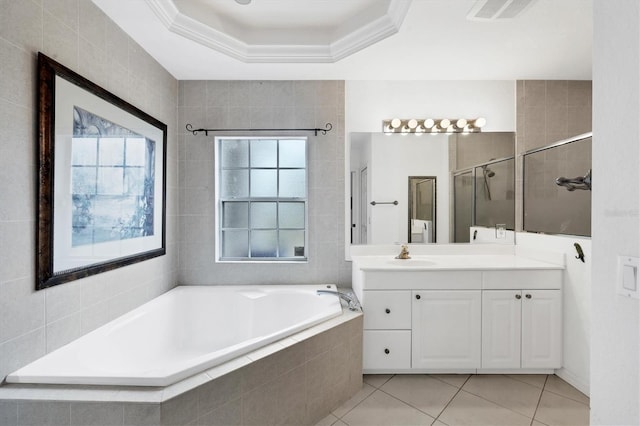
262,199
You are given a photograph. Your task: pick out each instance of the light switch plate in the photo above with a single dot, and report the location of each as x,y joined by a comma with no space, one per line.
628,284
501,231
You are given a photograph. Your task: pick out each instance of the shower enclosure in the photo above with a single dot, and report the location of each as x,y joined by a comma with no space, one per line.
557,188
484,196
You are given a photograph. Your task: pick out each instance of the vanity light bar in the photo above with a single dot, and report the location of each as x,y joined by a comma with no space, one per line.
430,125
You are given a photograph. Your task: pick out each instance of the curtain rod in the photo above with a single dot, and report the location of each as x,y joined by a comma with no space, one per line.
327,128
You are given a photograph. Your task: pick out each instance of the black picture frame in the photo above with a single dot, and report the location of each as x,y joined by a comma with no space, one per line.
74,236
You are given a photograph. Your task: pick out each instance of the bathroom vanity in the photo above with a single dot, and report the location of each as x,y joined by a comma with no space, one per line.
475,311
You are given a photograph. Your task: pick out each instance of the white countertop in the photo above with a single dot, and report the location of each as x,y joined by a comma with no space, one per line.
450,262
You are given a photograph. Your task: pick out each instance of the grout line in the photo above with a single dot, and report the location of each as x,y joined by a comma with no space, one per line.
499,405
539,399
407,404
364,399
451,400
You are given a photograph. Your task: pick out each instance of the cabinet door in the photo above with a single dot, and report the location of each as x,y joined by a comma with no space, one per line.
386,350
541,329
446,329
501,328
387,310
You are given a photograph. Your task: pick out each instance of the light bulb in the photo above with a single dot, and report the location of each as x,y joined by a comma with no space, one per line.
395,123
444,123
480,122
461,123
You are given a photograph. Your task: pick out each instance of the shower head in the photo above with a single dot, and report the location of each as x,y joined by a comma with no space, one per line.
488,172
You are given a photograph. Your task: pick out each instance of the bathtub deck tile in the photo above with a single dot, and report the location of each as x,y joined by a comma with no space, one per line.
141,414
229,414
218,392
228,367
265,351
140,396
44,413
97,414
185,385
259,406
291,357
180,410
8,413
291,409
259,372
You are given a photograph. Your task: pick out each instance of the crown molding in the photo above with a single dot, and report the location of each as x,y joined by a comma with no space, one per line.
358,39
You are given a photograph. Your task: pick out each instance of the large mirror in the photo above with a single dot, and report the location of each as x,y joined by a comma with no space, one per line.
402,185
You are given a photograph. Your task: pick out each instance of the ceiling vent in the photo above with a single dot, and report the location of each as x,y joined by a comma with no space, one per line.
489,10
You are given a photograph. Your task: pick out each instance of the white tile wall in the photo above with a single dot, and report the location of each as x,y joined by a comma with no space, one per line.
77,34
264,104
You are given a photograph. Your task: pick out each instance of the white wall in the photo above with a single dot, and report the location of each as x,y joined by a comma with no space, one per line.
394,159
576,302
367,103
615,355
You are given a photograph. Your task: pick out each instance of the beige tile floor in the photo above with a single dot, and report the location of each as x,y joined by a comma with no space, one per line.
493,400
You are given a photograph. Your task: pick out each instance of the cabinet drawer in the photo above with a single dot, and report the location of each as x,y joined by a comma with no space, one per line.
387,310
386,350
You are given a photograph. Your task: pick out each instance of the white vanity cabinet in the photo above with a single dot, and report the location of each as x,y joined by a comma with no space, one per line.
387,330
521,329
446,329
453,320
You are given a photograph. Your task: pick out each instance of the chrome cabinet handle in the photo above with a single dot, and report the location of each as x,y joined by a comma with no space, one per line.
518,297
418,296
386,351
528,296
388,310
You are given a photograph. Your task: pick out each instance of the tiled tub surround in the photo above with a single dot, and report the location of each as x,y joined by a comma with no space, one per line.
77,34
181,333
295,381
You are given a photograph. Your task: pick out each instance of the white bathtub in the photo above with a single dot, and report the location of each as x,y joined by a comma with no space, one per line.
183,332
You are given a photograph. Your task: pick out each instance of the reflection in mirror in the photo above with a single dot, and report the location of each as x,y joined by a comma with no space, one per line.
422,209
462,205
380,166
495,194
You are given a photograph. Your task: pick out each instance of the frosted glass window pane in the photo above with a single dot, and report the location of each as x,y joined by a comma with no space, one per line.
263,215
111,151
235,183
292,244
292,153
235,215
292,183
83,151
264,243
264,183
234,152
110,180
291,215
235,243
136,149
264,153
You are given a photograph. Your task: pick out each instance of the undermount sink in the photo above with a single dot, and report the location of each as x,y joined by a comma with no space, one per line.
410,262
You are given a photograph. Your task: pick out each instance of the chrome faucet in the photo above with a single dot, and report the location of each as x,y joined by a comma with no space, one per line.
404,253
354,305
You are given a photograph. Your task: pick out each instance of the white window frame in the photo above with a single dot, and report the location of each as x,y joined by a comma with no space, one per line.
219,202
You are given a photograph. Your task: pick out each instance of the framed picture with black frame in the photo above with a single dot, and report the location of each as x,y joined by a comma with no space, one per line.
101,179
